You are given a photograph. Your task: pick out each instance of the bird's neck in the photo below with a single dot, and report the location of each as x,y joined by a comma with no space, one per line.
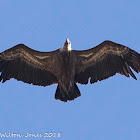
66,48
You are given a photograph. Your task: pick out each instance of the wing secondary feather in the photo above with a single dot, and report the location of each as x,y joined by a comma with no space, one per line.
105,60
27,65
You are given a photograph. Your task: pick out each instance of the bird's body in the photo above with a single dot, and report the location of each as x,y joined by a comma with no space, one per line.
67,88
67,67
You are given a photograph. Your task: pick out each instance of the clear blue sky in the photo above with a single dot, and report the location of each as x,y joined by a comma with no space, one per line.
107,110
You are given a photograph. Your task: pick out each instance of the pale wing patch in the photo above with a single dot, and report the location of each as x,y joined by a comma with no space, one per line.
86,55
103,52
41,57
22,54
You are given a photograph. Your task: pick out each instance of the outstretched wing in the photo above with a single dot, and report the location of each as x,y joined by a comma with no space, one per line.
27,65
105,60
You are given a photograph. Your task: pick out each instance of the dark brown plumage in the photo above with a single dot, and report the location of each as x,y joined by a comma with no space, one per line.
67,67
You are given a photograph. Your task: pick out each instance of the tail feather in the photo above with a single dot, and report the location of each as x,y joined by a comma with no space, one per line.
67,96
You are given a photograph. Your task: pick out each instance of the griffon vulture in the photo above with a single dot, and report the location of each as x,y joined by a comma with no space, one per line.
67,67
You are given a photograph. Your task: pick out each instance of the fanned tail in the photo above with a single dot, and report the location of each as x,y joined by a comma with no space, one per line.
65,96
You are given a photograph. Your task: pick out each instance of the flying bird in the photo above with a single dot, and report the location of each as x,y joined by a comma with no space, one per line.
67,67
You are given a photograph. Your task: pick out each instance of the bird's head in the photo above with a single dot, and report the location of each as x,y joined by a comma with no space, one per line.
67,46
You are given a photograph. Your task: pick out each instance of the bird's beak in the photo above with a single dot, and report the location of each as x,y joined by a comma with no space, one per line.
67,40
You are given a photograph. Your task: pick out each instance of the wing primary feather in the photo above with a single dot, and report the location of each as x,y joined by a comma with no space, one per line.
129,71
25,64
135,62
107,59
